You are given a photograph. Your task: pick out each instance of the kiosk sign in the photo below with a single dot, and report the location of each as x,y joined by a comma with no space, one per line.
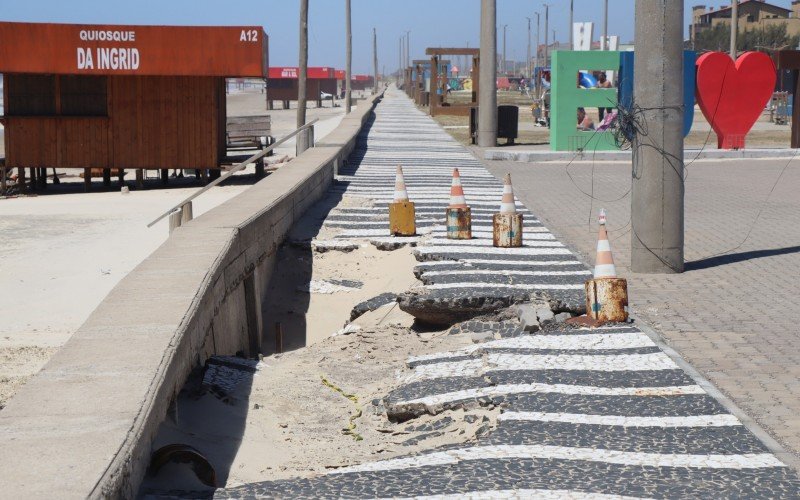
139,50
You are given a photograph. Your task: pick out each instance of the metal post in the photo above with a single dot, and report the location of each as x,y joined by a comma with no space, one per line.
734,26
349,59
658,190
375,61
546,17
303,71
604,41
487,97
571,24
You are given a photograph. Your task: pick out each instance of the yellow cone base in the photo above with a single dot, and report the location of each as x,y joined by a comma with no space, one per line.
402,219
607,299
459,223
507,230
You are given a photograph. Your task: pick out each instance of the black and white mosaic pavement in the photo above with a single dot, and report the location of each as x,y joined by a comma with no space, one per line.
599,414
461,278
578,413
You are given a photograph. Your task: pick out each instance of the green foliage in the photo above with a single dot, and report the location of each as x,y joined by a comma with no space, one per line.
772,37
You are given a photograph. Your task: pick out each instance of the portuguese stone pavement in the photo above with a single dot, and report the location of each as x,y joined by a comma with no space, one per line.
595,414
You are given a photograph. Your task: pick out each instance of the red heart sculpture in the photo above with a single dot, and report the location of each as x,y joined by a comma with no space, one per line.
732,97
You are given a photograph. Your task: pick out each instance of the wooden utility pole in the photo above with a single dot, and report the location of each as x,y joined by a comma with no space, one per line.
375,61
734,26
604,41
347,75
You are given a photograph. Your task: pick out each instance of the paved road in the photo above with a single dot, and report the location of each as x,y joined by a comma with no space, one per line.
602,413
733,315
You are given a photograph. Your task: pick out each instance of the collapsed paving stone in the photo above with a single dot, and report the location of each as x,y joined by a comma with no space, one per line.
501,329
528,318
448,307
372,304
562,317
545,315
322,246
392,244
223,374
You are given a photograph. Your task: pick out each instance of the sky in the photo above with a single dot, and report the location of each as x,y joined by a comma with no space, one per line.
432,23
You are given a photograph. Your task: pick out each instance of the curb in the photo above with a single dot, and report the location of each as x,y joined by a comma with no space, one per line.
689,154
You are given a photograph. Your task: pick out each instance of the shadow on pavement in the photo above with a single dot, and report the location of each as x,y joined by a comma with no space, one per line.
733,258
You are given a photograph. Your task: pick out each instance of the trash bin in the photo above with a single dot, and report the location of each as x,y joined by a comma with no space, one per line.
507,123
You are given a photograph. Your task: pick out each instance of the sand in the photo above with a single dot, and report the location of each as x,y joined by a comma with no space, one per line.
64,250
287,422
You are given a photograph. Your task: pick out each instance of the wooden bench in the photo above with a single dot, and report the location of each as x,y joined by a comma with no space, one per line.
249,132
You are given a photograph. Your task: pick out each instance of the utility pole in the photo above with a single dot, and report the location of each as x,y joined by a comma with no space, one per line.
487,98
349,61
528,60
546,16
571,24
604,41
375,60
408,48
505,63
303,63
657,192
734,26
399,59
538,78
302,140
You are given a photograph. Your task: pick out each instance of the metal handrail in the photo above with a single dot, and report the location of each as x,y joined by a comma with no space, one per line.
234,169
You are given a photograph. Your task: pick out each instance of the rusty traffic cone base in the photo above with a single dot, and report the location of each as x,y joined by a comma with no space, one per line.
507,230
607,299
402,219
459,223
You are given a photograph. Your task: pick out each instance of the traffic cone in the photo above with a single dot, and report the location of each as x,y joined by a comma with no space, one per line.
606,294
402,216
507,225
400,192
604,262
458,214
507,205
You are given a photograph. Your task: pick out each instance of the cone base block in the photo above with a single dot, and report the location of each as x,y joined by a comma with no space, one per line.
607,299
459,223
402,219
507,230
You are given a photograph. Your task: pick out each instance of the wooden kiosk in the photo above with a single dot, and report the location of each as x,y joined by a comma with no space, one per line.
121,97
283,84
439,85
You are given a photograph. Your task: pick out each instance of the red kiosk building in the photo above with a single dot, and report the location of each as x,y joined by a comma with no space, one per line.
282,84
121,97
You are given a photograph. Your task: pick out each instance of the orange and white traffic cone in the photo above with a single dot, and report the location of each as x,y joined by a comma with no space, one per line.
606,294
458,214
604,262
507,225
402,216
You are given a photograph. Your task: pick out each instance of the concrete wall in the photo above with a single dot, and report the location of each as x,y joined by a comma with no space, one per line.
84,425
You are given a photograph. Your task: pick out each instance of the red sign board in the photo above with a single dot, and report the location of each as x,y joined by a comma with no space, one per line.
320,73
133,50
339,74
